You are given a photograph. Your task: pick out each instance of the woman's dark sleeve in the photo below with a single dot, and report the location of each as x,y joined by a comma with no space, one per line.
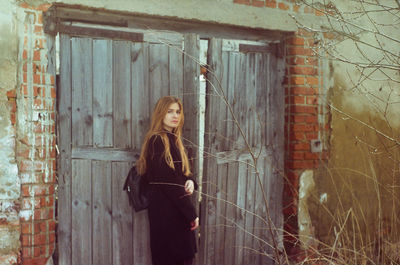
166,179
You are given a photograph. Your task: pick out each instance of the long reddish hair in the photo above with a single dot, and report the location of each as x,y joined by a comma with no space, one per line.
157,128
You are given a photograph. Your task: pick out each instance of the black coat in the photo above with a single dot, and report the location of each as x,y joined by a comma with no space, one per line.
171,210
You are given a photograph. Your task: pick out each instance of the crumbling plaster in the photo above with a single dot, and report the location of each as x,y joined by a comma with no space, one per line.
9,180
361,177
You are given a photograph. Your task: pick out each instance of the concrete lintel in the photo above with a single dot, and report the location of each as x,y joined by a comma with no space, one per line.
219,12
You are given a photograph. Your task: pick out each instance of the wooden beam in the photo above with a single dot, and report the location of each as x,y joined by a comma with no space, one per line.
98,32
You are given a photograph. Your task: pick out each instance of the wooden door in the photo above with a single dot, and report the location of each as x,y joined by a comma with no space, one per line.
107,90
242,216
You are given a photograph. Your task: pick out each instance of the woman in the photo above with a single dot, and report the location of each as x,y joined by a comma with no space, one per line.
172,215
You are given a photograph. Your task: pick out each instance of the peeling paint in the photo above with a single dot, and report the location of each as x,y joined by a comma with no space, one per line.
306,230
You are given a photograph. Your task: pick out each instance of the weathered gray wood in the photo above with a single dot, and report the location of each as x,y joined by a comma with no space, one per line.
141,243
81,193
191,88
99,32
230,238
122,223
102,93
176,71
249,235
158,72
240,213
249,83
141,109
82,119
64,159
101,210
122,94
220,214
105,154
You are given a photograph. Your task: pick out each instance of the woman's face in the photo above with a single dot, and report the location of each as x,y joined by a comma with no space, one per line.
173,117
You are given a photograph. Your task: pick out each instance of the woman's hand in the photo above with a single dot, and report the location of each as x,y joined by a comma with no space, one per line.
189,187
194,224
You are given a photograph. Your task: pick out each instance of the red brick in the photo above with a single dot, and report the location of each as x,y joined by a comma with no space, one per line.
52,237
298,90
40,18
312,100
13,118
36,79
319,13
243,2
300,146
295,60
27,252
297,136
38,29
34,261
303,70
270,3
311,136
25,55
303,109
257,3
13,106
297,100
36,55
312,80
311,119
26,228
283,6
297,155
311,155
296,8
12,93
311,61
297,80
298,118
302,127
297,50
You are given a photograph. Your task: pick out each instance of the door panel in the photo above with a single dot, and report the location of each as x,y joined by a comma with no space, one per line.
107,90
244,147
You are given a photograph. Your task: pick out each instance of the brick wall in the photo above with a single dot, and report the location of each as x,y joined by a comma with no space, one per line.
34,116
304,114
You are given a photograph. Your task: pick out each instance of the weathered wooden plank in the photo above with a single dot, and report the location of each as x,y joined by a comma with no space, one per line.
64,161
141,109
250,253
240,212
220,209
261,103
141,242
250,110
82,119
101,210
231,228
105,154
175,66
81,212
102,93
99,32
122,223
122,94
191,86
158,72
259,210
231,125
210,167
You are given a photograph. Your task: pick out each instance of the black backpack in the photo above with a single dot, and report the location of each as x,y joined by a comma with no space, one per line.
137,188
